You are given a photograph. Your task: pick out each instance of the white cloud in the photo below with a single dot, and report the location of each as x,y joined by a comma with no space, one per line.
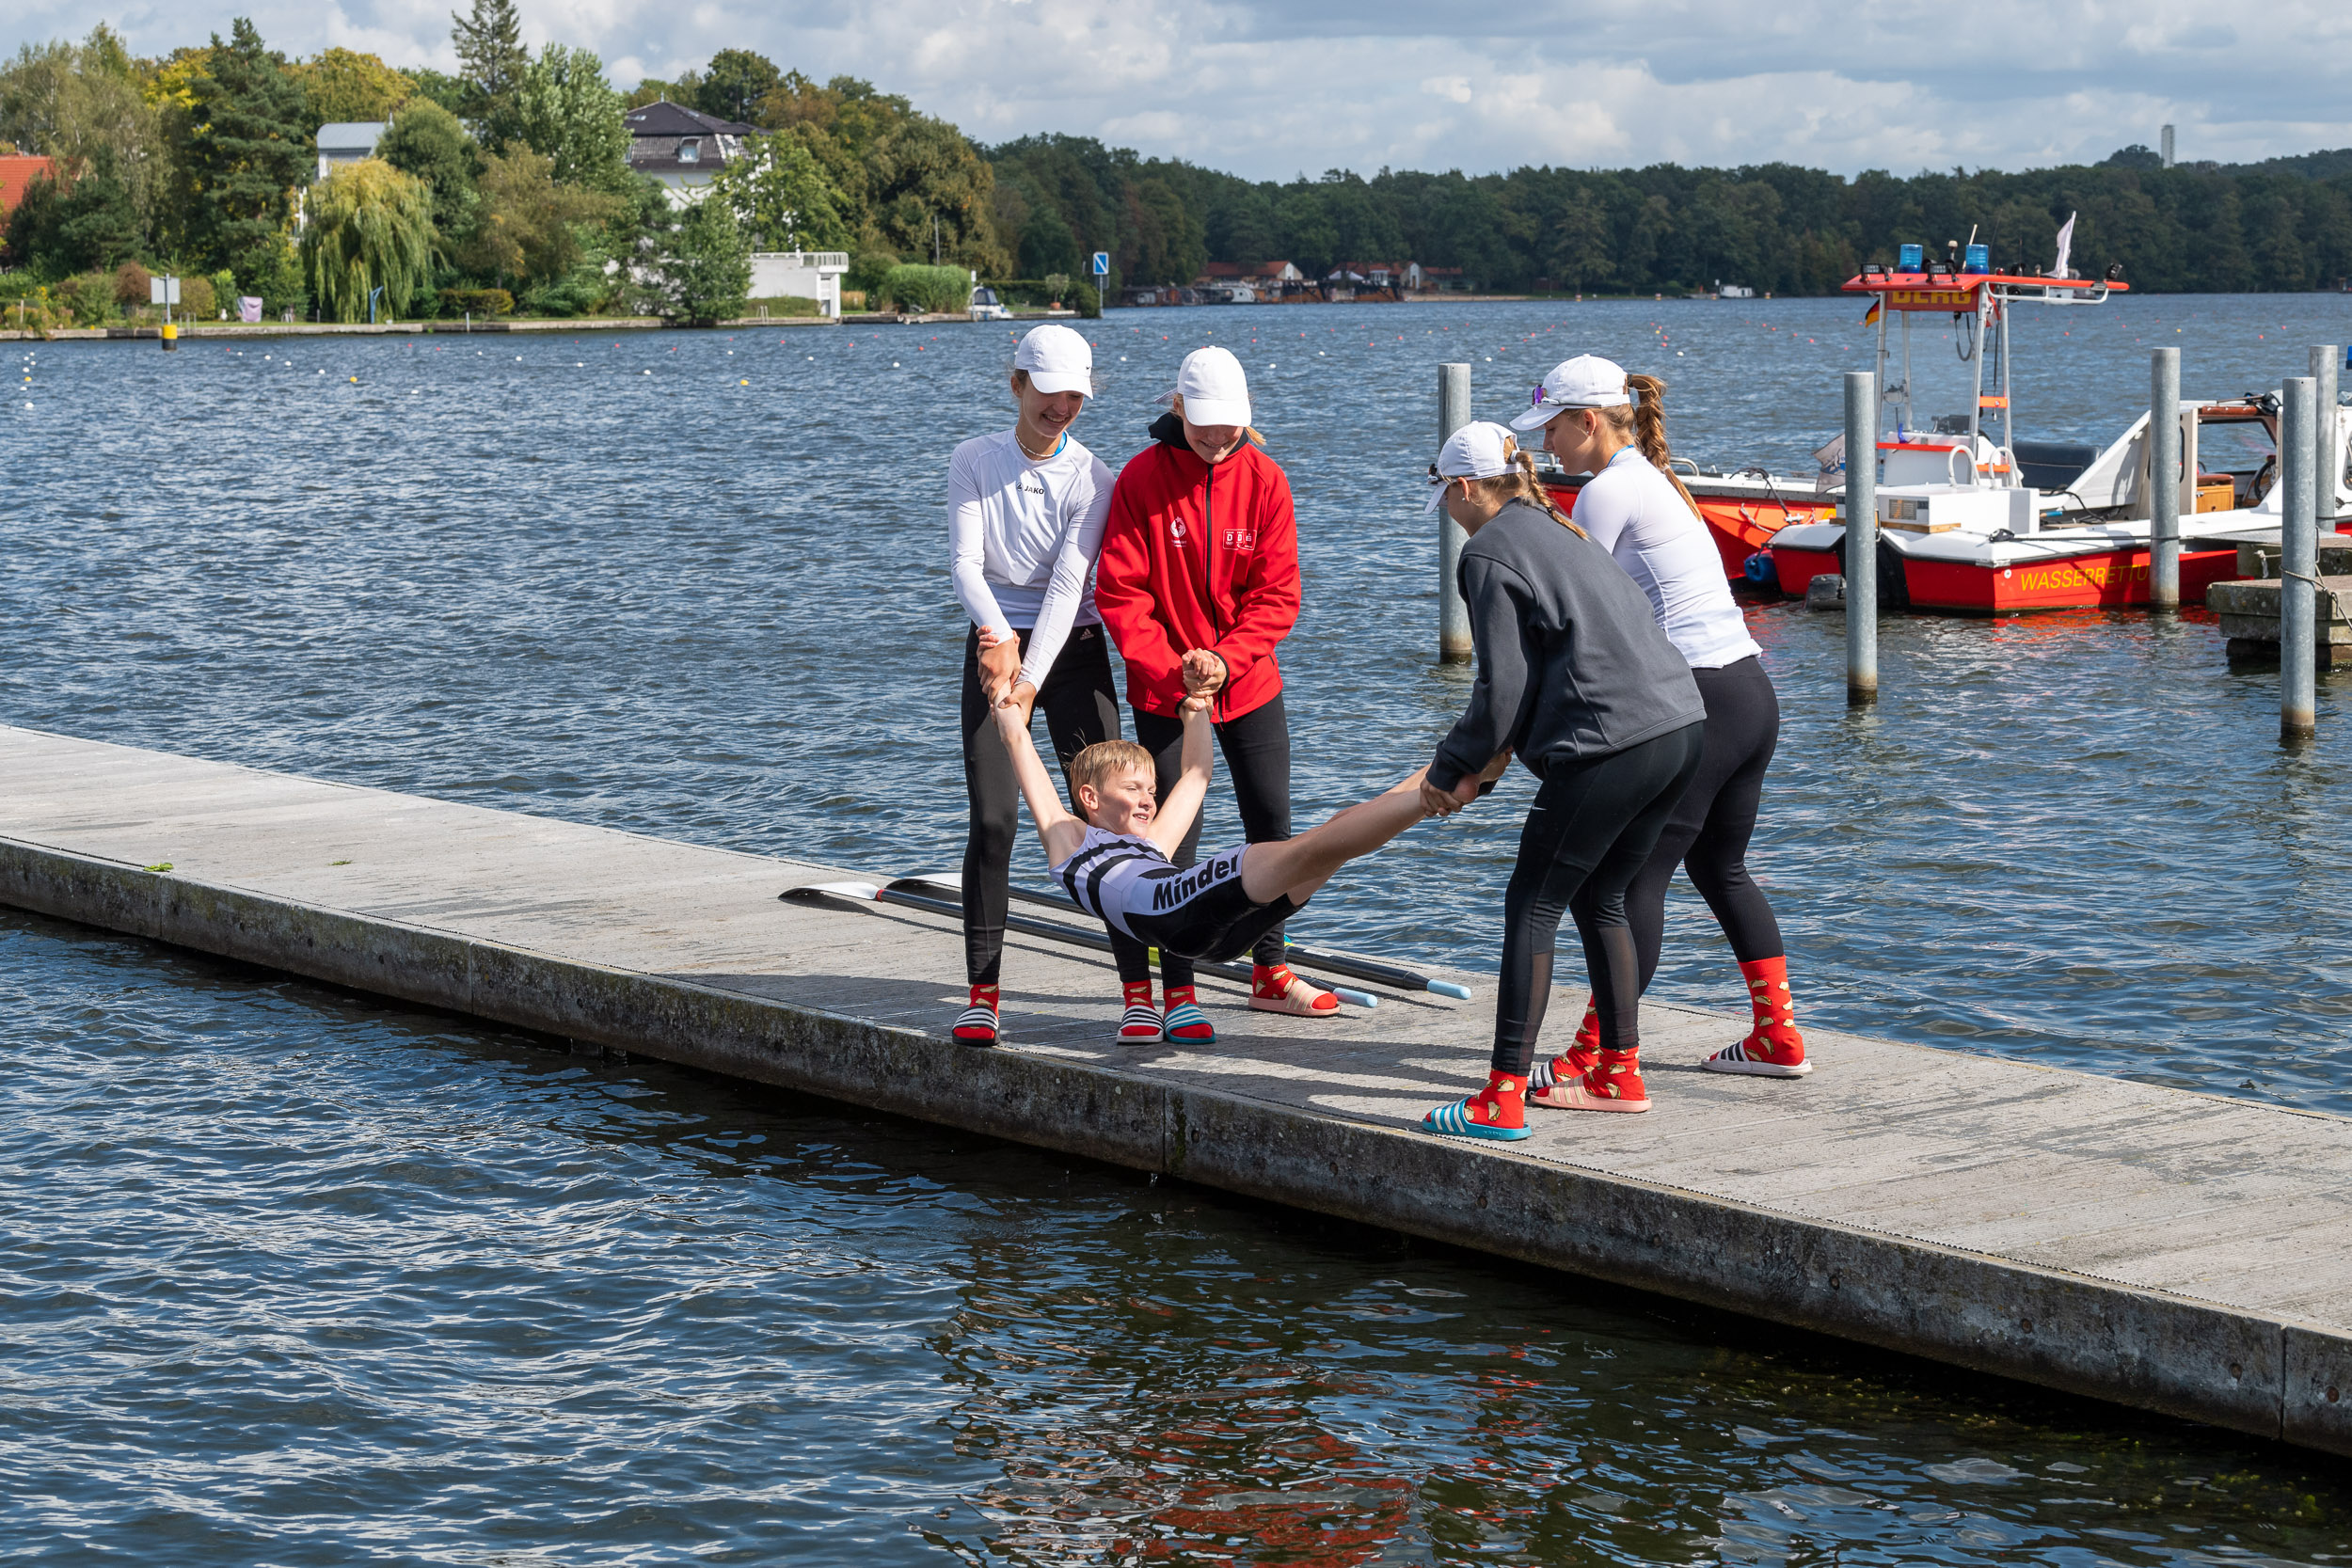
1275,89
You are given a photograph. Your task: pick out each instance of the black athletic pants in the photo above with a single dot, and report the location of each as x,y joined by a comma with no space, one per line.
1081,706
1591,829
1708,831
1257,748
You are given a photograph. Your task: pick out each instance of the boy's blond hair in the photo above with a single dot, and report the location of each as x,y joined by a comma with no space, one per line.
1098,762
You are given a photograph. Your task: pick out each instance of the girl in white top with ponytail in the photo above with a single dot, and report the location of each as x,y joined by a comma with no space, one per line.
1025,509
1597,419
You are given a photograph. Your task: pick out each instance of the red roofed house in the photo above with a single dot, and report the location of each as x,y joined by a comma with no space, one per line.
16,173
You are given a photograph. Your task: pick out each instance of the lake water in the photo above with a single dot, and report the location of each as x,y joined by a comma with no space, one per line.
297,1277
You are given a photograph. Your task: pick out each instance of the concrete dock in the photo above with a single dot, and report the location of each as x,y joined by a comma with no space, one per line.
2160,1248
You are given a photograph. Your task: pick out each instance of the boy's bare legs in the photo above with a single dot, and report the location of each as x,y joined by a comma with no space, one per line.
1296,867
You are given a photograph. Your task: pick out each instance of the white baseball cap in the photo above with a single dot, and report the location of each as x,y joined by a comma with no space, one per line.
1587,381
1057,360
1480,450
1213,387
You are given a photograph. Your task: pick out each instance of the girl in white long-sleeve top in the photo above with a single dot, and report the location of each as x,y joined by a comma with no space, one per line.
1025,508
1596,418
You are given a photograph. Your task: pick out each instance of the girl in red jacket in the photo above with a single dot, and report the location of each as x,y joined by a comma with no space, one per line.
1198,580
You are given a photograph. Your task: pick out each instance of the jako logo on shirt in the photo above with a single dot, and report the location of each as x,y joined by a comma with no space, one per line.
1031,487
1240,538
1176,529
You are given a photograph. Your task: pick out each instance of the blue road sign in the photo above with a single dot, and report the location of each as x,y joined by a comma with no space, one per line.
1102,264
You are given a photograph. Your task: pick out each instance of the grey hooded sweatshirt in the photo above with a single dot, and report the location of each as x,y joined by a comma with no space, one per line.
1571,664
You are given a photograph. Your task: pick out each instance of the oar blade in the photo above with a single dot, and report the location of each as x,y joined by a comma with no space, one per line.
812,893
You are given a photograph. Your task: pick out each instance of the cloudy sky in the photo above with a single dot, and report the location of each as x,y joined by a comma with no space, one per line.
1288,87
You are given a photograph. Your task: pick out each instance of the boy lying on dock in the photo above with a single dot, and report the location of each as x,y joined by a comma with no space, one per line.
1113,862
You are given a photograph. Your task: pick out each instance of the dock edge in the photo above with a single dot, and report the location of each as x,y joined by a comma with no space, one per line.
2272,1377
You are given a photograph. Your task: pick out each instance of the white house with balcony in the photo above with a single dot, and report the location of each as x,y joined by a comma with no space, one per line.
801,275
684,148
348,141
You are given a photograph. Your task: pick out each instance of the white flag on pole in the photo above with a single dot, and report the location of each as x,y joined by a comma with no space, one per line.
2066,247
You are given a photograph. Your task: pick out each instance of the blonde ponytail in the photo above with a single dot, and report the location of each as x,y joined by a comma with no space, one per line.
1644,421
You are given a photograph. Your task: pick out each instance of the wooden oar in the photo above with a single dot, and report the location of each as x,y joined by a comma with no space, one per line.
1354,968
867,892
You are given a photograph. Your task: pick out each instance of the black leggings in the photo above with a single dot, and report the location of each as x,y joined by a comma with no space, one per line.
1081,706
1590,829
1257,748
1708,833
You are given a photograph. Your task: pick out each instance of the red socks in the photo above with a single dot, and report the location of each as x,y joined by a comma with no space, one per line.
1502,1104
1585,1051
1617,1075
977,1024
1774,1037
1185,1021
1271,992
1141,1019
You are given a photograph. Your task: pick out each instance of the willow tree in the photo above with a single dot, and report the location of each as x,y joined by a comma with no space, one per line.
370,227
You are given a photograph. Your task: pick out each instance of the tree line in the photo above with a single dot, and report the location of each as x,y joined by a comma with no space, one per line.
506,185
2203,228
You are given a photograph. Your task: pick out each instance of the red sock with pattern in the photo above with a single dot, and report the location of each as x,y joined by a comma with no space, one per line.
1201,1032
1617,1075
1774,1037
1502,1104
976,1025
1140,1020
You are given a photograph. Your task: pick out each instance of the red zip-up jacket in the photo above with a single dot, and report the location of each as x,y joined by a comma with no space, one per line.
1196,557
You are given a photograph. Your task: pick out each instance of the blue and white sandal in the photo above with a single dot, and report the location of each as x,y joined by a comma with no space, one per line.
1187,1015
1454,1120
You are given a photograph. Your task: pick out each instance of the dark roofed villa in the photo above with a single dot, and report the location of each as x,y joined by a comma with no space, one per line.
682,147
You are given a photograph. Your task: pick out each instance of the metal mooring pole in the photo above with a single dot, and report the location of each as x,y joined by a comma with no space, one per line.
1454,629
1862,537
2329,448
2164,479
2298,562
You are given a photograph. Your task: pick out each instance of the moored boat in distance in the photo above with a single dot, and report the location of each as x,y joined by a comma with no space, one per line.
2066,537
1753,514
1971,526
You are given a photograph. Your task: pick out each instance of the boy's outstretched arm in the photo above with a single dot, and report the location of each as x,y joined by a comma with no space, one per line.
1060,832
1175,817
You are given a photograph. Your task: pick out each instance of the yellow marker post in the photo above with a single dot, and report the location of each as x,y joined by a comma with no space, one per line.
165,292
